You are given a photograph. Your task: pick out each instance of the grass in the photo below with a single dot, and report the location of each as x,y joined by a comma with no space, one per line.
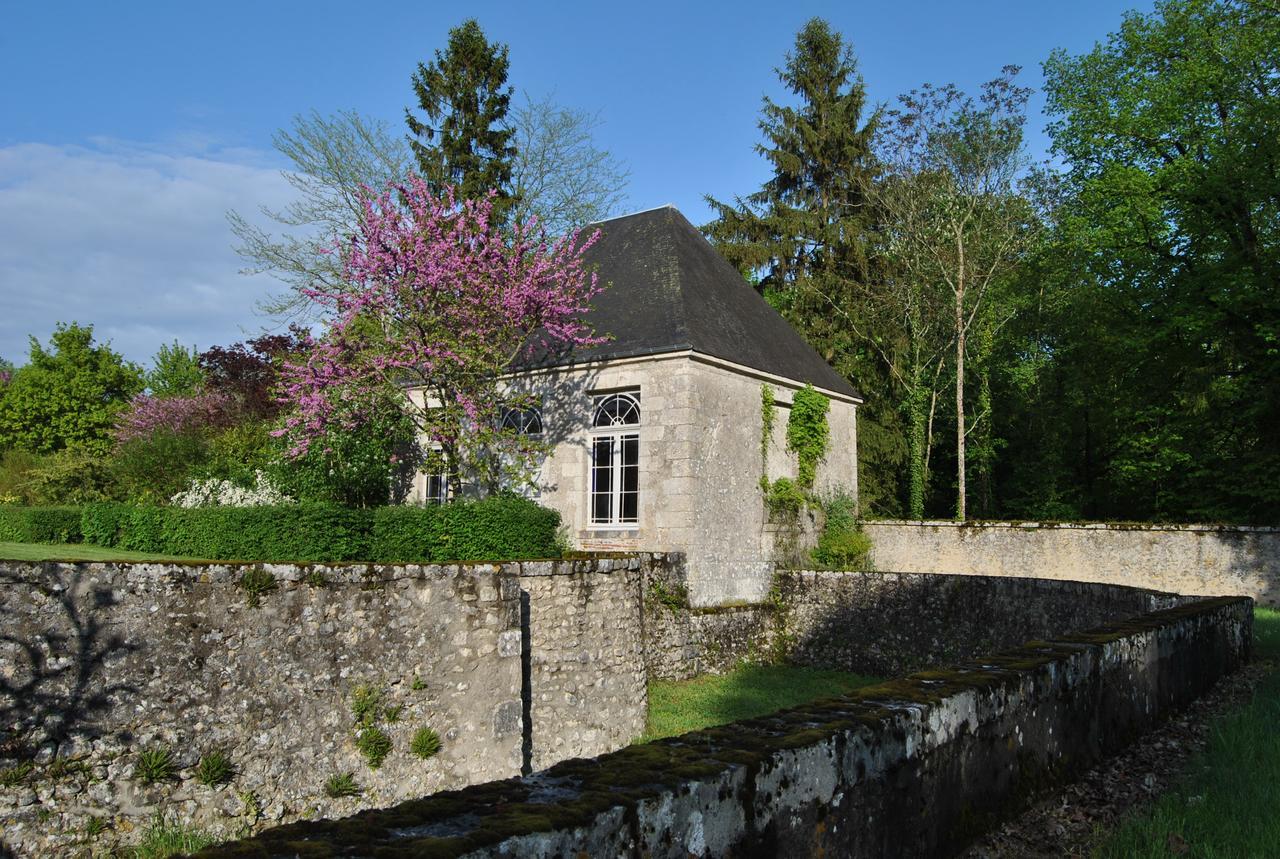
677,707
163,839
75,552
1229,805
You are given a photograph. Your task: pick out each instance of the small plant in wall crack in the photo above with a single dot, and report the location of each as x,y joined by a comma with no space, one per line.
374,744
425,744
94,827
342,785
155,764
366,704
256,583
675,597
214,769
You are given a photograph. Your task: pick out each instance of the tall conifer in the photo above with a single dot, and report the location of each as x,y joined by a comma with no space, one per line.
464,138
808,238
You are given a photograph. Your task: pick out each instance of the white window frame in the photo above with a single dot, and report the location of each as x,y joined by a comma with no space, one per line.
617,435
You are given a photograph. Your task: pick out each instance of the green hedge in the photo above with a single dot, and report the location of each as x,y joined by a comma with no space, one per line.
39,524
500,528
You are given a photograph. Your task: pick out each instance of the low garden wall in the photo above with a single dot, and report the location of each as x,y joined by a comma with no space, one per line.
881,624
297,674
1206,560
914,767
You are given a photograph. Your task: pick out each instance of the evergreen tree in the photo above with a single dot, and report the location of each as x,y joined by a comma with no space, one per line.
464,139
808,237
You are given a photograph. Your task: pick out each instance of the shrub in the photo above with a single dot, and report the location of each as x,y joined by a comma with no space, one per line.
342,785
214,769
102,523
842,545
497,528
783,498
425,743
39,524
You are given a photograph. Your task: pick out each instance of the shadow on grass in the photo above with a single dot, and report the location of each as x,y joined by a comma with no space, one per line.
677,707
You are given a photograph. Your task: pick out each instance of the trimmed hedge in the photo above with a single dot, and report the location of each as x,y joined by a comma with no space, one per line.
39,524
495,529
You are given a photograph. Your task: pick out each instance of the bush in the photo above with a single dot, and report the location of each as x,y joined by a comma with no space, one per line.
496,529
842,545
39,524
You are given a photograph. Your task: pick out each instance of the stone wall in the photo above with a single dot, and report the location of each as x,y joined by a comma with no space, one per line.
911,768
587,680
1205,560
880,624
99,662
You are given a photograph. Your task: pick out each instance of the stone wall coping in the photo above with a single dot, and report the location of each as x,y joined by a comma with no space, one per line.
580,795
1049,584
1076,526
210,572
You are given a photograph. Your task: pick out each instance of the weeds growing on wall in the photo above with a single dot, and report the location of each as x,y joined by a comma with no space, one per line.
425,743
675,597
766,422
155,764
257,583
842,544
343,784
163,839
214,768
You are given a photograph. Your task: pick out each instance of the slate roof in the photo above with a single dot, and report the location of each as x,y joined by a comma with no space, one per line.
669,291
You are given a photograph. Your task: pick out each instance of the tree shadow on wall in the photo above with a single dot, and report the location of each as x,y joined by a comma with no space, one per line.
54,657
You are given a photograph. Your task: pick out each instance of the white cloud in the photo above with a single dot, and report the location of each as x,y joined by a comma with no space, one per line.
133,239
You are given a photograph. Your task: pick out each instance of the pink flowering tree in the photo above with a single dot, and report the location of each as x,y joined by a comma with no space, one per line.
440,300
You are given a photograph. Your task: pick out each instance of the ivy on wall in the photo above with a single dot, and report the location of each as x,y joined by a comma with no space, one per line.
808,433
766,423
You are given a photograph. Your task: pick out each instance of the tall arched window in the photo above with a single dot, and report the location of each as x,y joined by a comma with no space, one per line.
615,460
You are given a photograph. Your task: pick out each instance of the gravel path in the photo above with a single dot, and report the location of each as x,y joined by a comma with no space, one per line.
1073,820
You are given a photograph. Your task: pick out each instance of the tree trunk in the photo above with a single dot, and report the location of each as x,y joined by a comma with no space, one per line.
960,454
916,443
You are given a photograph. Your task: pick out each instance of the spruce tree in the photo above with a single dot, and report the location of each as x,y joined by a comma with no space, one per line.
464,139
808,238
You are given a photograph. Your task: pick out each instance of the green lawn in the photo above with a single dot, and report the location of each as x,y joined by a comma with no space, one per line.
1230,802
677,707
74,552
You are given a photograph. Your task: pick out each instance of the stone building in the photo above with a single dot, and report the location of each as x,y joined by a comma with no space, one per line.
655,435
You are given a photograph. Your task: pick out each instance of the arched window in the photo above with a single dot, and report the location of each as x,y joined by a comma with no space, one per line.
616,410
615,460
525,421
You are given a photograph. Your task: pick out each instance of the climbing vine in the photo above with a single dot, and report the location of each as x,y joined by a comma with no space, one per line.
766,422
808,432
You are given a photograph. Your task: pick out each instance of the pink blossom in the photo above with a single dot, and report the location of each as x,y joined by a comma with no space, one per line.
146,415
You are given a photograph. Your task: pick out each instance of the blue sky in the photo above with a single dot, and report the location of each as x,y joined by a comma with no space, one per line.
128,129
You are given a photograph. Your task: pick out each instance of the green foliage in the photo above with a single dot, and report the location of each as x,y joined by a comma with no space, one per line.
71,476
39,524
766,421
162,840
464,139
374,744
16,467
425,743
215,768
498,528
418,684
174,372
344,784
354,466
783,498
68,396
674,598
16,775
842,544
153,469
807,433
257,583
366,704
95,826
155,764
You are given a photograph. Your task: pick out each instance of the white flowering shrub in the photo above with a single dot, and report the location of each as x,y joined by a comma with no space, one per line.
223,493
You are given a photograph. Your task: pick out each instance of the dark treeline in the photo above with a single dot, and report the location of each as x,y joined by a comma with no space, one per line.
1094,339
